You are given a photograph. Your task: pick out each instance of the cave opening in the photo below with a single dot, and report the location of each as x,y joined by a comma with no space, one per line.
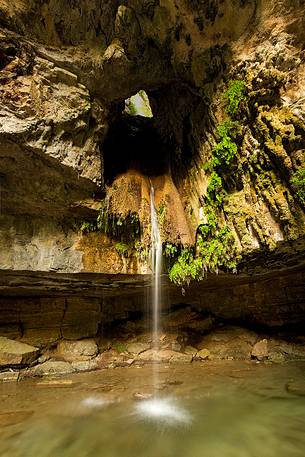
138,105
133,141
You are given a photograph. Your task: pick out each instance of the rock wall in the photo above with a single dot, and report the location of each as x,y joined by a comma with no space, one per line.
66,69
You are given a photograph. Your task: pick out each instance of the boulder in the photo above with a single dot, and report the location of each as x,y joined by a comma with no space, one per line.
179,357
16,353
260,350
6,376
81,350
52,367
137,348
203,354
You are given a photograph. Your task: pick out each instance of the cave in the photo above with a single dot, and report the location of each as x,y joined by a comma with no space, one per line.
152,228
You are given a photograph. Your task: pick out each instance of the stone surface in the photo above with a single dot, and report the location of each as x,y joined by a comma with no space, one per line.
7,376
63,86
16,353
137,348
50,368
229,343
260,350
86,365
81,350
203,354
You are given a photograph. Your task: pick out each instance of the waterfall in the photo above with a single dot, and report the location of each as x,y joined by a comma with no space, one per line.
156,260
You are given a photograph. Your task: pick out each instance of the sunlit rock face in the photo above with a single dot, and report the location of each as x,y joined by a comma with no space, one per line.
66,69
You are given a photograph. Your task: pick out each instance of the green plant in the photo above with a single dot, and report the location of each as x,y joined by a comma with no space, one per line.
88,227
215,193
226,148
122,248
298,183
170,250
186,267
234,95
161,211
217,251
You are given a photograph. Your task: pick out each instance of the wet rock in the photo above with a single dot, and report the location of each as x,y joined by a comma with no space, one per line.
85,365
203,354
109,359
175,346
137,348
179,357
229,343
51,367
276,357
81,350
260,350
16,353
153,355
190,350
6,376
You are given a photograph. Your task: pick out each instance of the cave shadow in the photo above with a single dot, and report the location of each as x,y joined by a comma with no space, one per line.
134,143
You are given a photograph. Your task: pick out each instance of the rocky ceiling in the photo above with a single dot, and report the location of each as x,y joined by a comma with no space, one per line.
66,68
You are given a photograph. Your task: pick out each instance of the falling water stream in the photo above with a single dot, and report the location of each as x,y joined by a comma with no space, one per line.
156,259
156,264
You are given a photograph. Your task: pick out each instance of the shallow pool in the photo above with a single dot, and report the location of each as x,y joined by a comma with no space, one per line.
225,409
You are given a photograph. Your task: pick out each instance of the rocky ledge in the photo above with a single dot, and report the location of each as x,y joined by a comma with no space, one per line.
187,337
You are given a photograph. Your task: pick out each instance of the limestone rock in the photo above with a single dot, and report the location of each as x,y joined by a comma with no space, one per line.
229,343
190,350
15,353
137,348
152,355
6,376
260,350
109,359
203,354
81,350
180,357
85,365
52,367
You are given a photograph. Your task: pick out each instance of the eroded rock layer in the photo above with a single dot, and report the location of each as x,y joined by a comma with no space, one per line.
224,152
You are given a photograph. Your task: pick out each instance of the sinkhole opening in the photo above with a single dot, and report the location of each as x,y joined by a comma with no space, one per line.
133,142
138,105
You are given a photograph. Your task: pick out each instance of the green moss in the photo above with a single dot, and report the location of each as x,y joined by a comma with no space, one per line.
120,347
298,183
234,95
123,249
